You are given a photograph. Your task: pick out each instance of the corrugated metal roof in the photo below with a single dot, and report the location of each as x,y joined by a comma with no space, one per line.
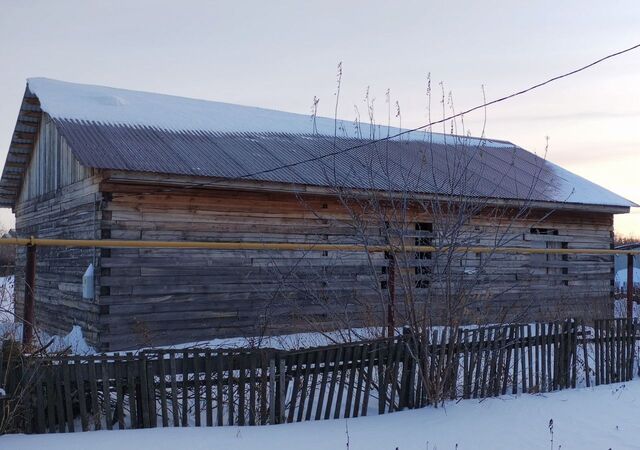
108,128
457,168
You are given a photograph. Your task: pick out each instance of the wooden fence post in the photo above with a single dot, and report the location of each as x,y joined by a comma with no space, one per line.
272,391
629,285
281,388
28,320
408,378
391,285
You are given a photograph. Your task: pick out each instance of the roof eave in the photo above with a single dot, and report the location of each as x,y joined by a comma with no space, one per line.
190,182
22,143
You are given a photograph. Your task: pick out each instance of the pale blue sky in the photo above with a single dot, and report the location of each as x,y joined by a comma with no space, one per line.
279,54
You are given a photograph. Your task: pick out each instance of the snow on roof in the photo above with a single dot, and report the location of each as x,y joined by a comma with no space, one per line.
107,105
576,189
119,129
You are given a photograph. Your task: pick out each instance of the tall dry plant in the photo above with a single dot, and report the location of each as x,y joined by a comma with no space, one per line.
435,294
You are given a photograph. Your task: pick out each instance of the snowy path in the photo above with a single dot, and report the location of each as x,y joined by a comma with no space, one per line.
599,418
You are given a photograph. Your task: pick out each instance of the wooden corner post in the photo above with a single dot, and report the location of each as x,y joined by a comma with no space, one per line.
28,320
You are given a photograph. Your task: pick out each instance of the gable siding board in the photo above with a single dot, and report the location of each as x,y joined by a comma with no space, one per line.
52,164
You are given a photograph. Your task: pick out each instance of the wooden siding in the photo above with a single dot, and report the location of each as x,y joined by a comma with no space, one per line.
52,164
159,296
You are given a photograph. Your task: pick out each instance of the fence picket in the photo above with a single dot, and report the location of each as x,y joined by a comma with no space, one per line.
117,368
323,382
196,389
174,389
264,384
355,356
40,404
364,357
314,379
596,338
473,364
59,401
306,362
106,395
465,364
82,403
66,379
585,349
537,357
133,408
296,361
553,355
93,386
373,354
144,391
479,349
516,358
394,370
507,364
333,382
219,391
208,382
50,391
252,390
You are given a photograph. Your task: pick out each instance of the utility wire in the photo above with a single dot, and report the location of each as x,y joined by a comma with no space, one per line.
446,119
402,132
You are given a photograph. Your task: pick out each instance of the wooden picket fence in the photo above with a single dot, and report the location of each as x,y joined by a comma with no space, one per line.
211,387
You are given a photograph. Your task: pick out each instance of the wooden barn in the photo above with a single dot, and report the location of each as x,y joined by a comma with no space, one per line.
89,162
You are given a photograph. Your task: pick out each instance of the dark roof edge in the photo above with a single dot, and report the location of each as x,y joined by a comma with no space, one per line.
20,149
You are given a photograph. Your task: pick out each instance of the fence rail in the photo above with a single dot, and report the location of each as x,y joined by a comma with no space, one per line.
212,387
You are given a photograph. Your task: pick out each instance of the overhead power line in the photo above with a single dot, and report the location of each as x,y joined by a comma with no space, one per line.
402,132
445,119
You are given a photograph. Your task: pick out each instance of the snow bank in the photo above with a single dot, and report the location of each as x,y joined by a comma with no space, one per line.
621,278
74,340
8,327
285,341
620,309
603,417
6,299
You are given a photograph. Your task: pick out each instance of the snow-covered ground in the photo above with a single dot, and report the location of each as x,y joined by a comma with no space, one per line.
9,327
620,309
6,300
597,418
621,278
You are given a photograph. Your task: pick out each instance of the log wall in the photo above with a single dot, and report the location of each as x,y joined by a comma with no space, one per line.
158,296
72,213
225,293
